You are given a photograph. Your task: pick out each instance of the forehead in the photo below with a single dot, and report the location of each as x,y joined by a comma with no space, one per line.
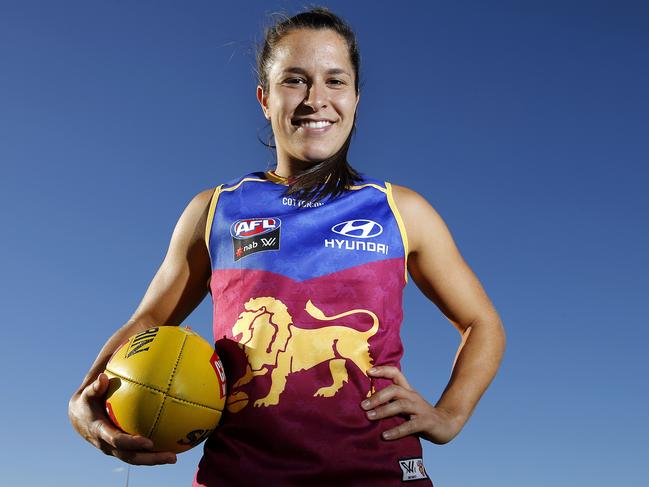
311,48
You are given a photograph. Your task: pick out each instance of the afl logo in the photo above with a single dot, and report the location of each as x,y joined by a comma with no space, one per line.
253,227
358,228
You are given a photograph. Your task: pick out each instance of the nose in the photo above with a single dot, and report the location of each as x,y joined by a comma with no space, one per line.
316,96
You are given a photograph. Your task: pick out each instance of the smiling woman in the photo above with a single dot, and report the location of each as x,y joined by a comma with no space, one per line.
310,98
306,267
308,71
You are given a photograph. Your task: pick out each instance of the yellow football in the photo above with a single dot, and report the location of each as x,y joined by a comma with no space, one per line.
168,384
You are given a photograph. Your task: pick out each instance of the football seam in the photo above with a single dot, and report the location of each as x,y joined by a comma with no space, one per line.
138,383
165,394
173,371
171,378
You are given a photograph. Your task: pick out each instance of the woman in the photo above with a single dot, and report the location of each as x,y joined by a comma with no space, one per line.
306,265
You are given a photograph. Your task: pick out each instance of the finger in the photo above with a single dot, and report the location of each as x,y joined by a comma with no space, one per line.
405,429
119,440
384,395
139,457
151,458
394,408
97,388
390,372
124,441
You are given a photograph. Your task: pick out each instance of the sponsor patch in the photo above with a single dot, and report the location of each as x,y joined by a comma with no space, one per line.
215,361
300,203
412,469
358,228
252,235
336,243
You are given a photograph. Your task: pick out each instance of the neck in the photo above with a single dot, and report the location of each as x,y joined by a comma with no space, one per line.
287,168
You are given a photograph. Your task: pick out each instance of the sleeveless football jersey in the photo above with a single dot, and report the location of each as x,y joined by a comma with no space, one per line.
307,297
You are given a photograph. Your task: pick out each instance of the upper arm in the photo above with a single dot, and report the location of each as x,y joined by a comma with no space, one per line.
436,265
181,282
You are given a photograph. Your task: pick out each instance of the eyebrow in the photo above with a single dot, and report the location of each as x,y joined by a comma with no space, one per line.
295,69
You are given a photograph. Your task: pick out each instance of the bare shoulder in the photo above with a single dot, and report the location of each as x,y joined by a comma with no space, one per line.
419,217
202,199
180,283
190,227
408,199
200,203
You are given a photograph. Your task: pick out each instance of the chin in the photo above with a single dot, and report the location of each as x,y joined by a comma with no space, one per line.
316,156
314,159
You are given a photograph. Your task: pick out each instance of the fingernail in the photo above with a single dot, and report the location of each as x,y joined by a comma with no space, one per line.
387,435
373,370
365,404
371,414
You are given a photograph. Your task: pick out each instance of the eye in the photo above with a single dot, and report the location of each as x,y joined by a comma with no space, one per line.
336,82
294,81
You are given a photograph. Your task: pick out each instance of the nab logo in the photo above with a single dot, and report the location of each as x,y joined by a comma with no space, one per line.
253,227
358,228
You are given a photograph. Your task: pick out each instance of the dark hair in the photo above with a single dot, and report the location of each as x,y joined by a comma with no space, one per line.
334,175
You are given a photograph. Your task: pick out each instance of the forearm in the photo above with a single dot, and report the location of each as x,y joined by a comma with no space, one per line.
120,336
475,366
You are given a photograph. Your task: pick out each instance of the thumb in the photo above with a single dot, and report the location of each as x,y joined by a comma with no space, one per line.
98,387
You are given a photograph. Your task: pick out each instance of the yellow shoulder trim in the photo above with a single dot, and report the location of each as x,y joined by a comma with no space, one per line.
360,186
276,178
402,227
212,210
243,181
210,216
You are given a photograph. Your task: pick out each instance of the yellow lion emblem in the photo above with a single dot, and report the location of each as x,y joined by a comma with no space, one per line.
270,340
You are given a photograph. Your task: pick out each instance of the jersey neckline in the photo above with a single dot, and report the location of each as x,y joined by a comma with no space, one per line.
275,178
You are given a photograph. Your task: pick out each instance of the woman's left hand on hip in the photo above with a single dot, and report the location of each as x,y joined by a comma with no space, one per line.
432,423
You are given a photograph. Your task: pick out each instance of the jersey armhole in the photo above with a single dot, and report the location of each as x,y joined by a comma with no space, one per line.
402,227
210,218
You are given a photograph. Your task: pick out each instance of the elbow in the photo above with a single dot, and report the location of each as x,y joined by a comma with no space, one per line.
497,328
492,331
499,339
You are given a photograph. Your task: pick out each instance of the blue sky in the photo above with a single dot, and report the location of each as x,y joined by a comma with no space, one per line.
525,124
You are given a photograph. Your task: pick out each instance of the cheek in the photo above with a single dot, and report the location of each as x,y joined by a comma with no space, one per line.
347,106
285,103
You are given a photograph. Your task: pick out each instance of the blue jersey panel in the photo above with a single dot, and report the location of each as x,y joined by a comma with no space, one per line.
256,227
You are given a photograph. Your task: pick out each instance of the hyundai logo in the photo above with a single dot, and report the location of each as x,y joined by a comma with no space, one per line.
358,228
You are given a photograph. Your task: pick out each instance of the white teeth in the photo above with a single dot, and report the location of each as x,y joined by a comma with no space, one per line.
315,125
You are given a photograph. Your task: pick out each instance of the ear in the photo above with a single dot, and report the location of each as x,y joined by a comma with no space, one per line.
262,98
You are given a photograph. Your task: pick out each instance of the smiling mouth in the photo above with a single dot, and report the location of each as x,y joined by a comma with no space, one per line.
312,124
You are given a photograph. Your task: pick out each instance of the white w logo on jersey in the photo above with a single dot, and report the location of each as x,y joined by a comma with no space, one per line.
267,242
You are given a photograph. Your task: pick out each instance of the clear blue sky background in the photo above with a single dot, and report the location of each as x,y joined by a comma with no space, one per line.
525,124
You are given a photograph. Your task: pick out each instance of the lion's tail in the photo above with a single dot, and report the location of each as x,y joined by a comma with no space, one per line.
319,315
